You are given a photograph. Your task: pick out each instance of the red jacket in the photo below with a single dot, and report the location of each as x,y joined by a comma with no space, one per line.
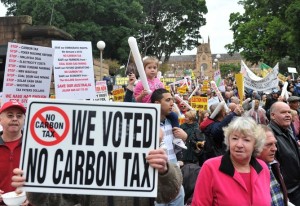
218,184
8,161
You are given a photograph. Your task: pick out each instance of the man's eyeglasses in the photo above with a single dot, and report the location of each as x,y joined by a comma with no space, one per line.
11,116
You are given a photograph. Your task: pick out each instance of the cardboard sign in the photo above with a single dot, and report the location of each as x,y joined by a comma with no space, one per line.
28,71
92,148
119,95
101,91
199,103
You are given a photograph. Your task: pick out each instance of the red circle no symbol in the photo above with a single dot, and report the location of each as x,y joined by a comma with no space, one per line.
56,139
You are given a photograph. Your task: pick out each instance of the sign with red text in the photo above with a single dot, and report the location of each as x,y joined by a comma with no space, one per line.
28,71
199,103
92,148
101,91
73,70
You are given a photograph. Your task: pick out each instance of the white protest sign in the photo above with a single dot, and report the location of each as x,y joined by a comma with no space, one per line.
73,70
28,71
92,148
101,91
292,70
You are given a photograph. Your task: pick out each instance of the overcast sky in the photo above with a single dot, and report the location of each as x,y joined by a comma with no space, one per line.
217,25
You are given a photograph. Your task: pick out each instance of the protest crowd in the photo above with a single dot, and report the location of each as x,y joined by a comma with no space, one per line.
223,144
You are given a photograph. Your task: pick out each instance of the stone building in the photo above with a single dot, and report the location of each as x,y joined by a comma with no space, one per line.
20,29
204,60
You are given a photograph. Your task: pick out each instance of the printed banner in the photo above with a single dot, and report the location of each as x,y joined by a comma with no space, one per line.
263,84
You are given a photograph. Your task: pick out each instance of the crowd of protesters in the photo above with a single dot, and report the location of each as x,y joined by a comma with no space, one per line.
247,146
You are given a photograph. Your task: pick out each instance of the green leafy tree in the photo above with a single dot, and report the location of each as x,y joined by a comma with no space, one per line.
171,26
160,26
113,65
225,69
267,31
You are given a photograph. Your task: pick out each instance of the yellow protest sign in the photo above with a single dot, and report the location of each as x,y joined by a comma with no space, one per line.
199,103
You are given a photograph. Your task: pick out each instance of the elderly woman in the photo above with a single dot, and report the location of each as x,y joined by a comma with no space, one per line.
236,178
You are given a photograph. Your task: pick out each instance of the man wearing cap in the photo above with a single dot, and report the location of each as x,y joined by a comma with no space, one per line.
294,103
12,117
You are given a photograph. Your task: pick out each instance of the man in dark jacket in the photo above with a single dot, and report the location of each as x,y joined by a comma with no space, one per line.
277,185
212,128
288,154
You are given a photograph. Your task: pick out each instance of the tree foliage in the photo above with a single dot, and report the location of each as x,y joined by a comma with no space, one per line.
226,69
171,25
267,31
160,26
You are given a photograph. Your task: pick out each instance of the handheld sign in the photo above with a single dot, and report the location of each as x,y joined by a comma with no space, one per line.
28,71
92,148
73,70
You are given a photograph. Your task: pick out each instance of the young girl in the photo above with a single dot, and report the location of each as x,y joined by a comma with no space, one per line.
151,69
141,95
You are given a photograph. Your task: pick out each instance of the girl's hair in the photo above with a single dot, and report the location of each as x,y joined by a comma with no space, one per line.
150,59
192,115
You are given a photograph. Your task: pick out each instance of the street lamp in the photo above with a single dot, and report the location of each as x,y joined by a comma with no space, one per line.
100,46
216,61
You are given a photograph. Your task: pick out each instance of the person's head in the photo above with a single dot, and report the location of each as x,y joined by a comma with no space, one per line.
280,113
294,102
275,93
208,92
269,149
150,66
190,117
12,117
203,115
220,114
256,103
235,100
182,107
164,98
244,138
228,94
264,97
294,115
185,97
232,106
131,71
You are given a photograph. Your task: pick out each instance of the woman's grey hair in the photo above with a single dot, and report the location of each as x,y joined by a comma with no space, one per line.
248,127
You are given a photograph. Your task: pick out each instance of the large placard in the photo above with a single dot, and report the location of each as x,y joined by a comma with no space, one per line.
28,71
73,70
93,148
